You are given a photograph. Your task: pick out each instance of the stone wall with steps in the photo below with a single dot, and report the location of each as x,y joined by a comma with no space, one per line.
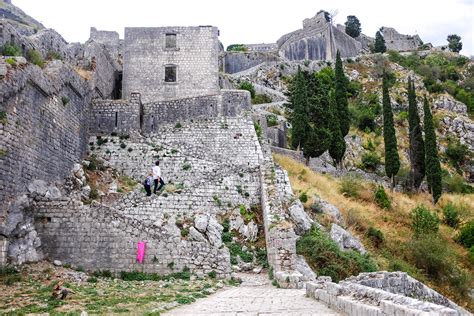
223,156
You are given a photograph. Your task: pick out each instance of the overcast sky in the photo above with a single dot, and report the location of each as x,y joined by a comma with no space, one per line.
256,21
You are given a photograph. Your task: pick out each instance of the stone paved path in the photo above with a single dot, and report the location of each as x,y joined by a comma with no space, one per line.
255,296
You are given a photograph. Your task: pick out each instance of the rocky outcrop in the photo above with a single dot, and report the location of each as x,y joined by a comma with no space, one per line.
299,217
345,240
448,103
329,209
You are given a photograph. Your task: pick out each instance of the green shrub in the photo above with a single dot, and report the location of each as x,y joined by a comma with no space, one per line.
123,146
226,237
456,153
433,255
101,141
350,186
187,166
376,236
35,57
471,254
466,235
456,184
370,161
451,215
258,129
325,257
237,48
226,225
424,222
245,85
261,256
11,61
92,280
272,120
65,100
11,50
212,274
303,197
9,275
52,55
178,125
381,198
236,250
3,117
94,193
261,99
103,274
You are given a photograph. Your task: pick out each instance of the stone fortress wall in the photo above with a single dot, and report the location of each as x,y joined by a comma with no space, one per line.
195,57
223,155
125,116
43,132
318,40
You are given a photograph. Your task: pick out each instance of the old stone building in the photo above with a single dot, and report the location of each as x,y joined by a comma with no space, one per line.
171,62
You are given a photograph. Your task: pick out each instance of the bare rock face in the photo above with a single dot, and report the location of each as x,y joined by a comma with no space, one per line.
447,102
328,209
300,218
214,232
304,269
249,231
200,222
345,240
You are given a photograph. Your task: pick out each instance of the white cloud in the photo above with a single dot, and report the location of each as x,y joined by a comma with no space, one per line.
255,21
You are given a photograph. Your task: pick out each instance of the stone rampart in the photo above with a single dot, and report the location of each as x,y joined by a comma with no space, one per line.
239,61
317,40
43,131
120,116
115,116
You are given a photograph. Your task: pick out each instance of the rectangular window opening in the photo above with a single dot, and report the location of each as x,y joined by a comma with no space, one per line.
170,73
170,40
116,119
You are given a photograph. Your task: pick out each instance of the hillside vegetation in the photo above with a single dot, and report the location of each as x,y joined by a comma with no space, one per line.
433,256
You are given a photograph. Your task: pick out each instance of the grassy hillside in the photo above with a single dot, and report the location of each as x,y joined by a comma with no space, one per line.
437,260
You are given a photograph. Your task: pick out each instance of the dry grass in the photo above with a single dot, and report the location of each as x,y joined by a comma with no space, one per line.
395,224
85,74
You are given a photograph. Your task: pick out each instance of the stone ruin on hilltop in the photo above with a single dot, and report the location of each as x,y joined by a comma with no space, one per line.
156,94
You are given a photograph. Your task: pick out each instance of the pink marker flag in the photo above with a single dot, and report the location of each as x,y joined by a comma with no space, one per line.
140,251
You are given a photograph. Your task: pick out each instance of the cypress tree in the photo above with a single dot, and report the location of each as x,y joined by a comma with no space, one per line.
337,147
319,134
392,161
433,167
417,145
341,96
379,46
298,102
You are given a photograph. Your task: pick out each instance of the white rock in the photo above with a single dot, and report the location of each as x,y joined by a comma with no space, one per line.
195,235
214,232
113,187
53,192
38,187
300,218
200,222
345,240
57,263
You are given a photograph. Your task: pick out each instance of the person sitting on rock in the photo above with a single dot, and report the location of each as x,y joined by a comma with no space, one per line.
157,177
147,184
